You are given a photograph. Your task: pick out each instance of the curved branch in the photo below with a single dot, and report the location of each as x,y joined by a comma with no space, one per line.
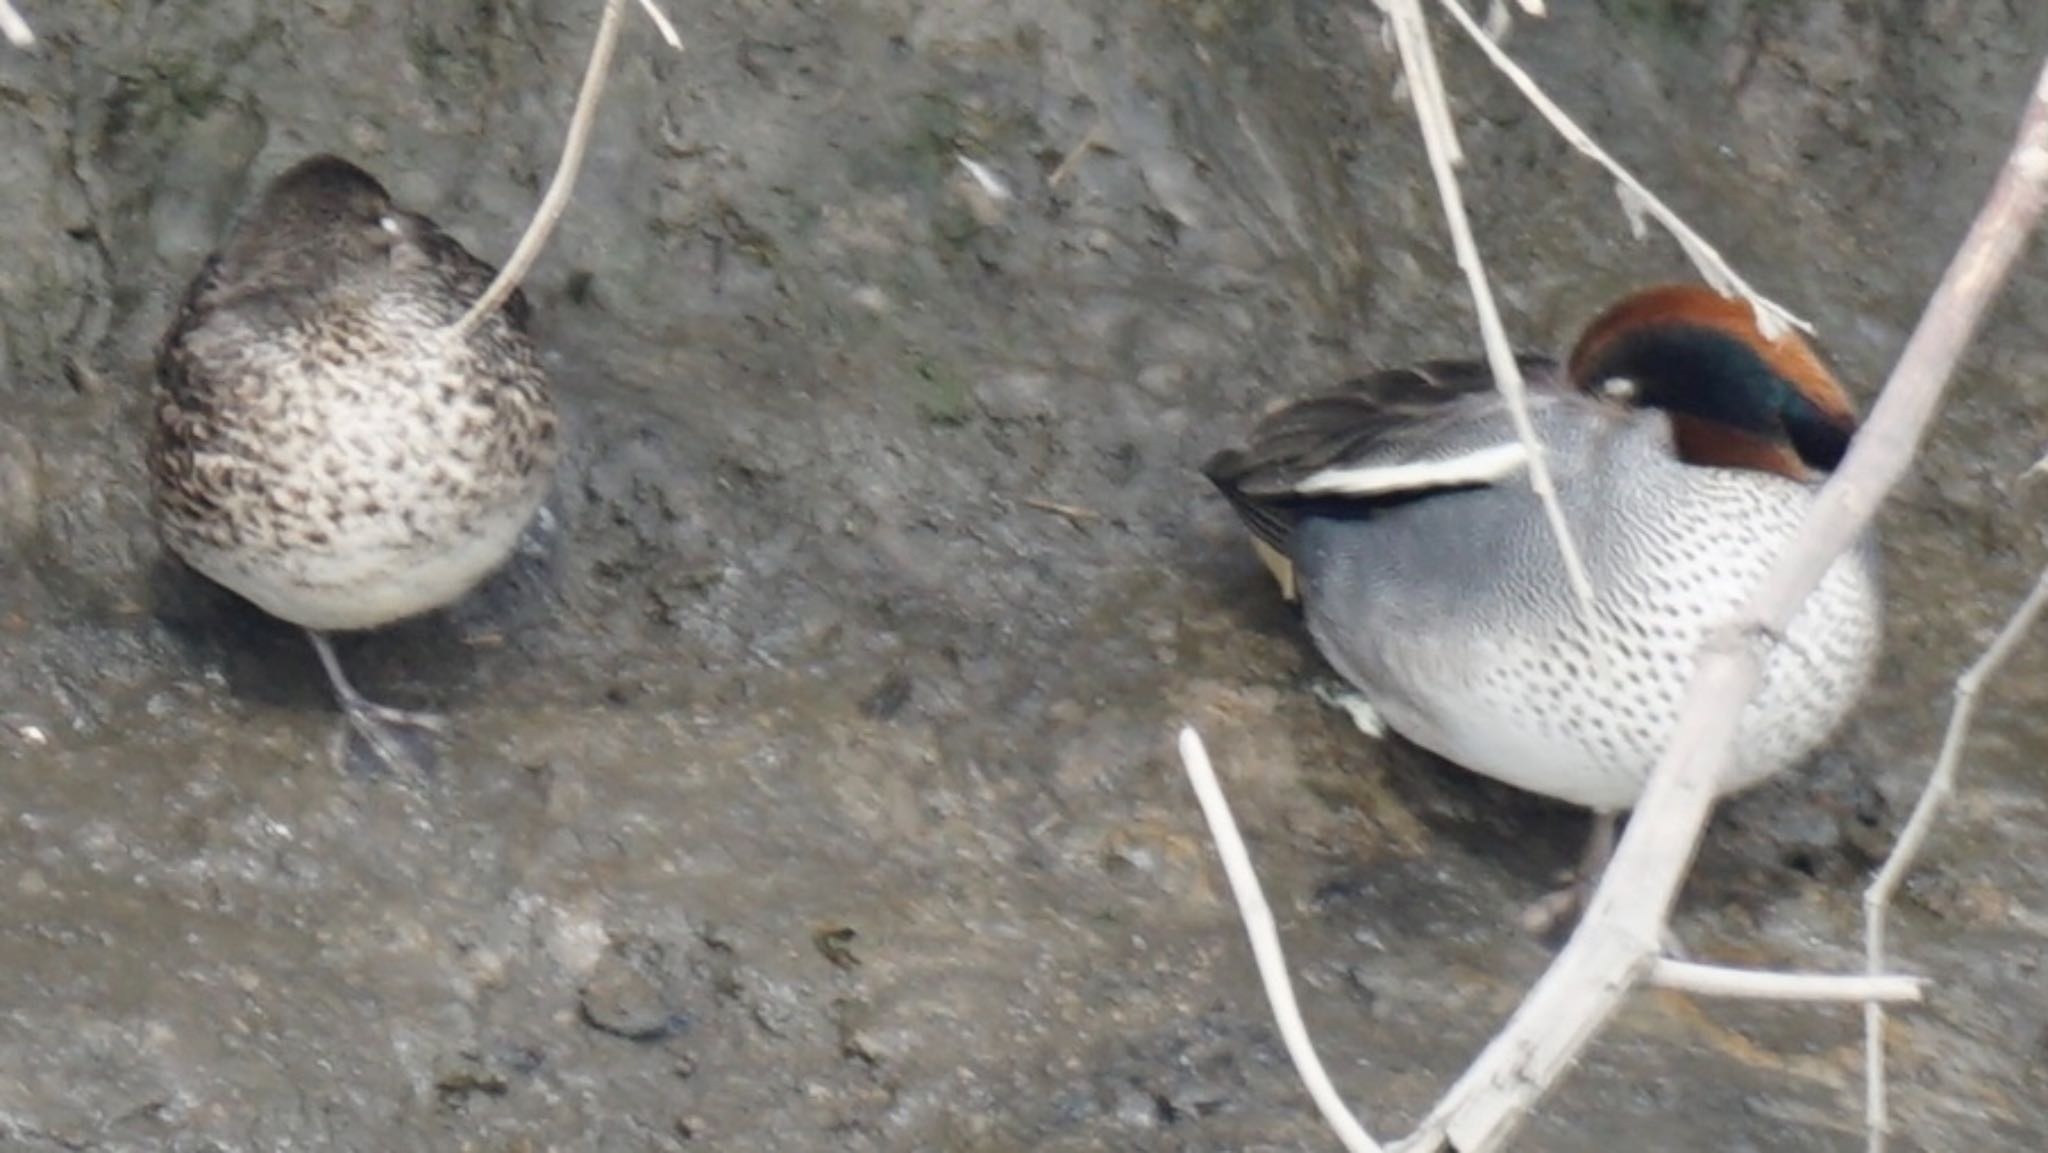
564,180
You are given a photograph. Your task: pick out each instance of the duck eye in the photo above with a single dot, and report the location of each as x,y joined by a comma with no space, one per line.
1619,389
389,224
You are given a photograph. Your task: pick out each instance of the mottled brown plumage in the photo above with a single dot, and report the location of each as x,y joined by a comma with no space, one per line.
320,444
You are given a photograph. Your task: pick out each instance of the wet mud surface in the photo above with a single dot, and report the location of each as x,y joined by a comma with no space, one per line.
813,782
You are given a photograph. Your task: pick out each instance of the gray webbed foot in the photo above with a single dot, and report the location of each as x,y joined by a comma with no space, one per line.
377,737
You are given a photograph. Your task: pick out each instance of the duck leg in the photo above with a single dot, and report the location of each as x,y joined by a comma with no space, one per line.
1355,705
376,724
1555,910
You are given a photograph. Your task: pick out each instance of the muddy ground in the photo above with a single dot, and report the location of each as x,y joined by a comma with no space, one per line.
813,785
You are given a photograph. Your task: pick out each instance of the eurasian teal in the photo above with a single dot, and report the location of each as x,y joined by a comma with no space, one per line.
1686,448
321,445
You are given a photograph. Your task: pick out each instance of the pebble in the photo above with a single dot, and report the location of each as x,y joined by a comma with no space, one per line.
628,993
21,489
1017,396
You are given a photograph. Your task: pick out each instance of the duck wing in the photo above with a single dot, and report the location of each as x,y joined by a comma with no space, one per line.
1376,441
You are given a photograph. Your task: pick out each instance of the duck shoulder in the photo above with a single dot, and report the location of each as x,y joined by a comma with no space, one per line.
1376,441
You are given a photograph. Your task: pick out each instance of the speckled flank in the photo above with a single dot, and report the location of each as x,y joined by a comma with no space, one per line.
320,447
1454,616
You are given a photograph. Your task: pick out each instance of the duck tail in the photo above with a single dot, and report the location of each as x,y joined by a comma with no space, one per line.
1270,520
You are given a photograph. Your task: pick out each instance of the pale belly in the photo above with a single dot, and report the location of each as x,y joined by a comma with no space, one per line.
373,582
357,495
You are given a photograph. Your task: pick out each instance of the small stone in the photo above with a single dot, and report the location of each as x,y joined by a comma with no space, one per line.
1163,381
628,994
1135,1109
873,299
574,934
888,697
1017,396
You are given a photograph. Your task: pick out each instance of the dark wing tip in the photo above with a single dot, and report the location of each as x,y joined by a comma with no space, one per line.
1270,520
1225,468
1305,436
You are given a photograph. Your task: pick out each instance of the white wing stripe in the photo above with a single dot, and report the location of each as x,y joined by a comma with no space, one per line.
1482,467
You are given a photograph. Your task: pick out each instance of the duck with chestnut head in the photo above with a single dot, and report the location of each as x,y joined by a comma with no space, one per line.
1686,448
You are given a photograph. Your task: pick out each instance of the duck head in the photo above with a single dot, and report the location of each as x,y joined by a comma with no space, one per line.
1736,398
317,221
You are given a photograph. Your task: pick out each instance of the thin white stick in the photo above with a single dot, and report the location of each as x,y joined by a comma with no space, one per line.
1272,963
661,24
1481,1113
1439,136
564,181
1760,985
1877,898
13,27
1426,83
1771,317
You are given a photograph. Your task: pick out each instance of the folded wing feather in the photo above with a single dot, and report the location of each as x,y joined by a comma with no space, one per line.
1377,441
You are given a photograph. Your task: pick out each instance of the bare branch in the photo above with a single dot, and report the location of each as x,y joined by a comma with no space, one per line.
1609,951
1636,200
1760,985
13,27
1258,925
1440,139
564,181
1878,898
661,24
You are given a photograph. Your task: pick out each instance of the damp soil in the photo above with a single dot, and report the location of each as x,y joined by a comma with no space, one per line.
812,783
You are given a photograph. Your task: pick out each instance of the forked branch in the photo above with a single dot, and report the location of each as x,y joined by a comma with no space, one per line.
1877,899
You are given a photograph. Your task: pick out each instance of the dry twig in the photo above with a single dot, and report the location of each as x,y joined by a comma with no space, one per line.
1073,512
13,27
1272,963
1090,141
1440,140
1636,199
564,181
1878,898
1704,980
661,24
1756,985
